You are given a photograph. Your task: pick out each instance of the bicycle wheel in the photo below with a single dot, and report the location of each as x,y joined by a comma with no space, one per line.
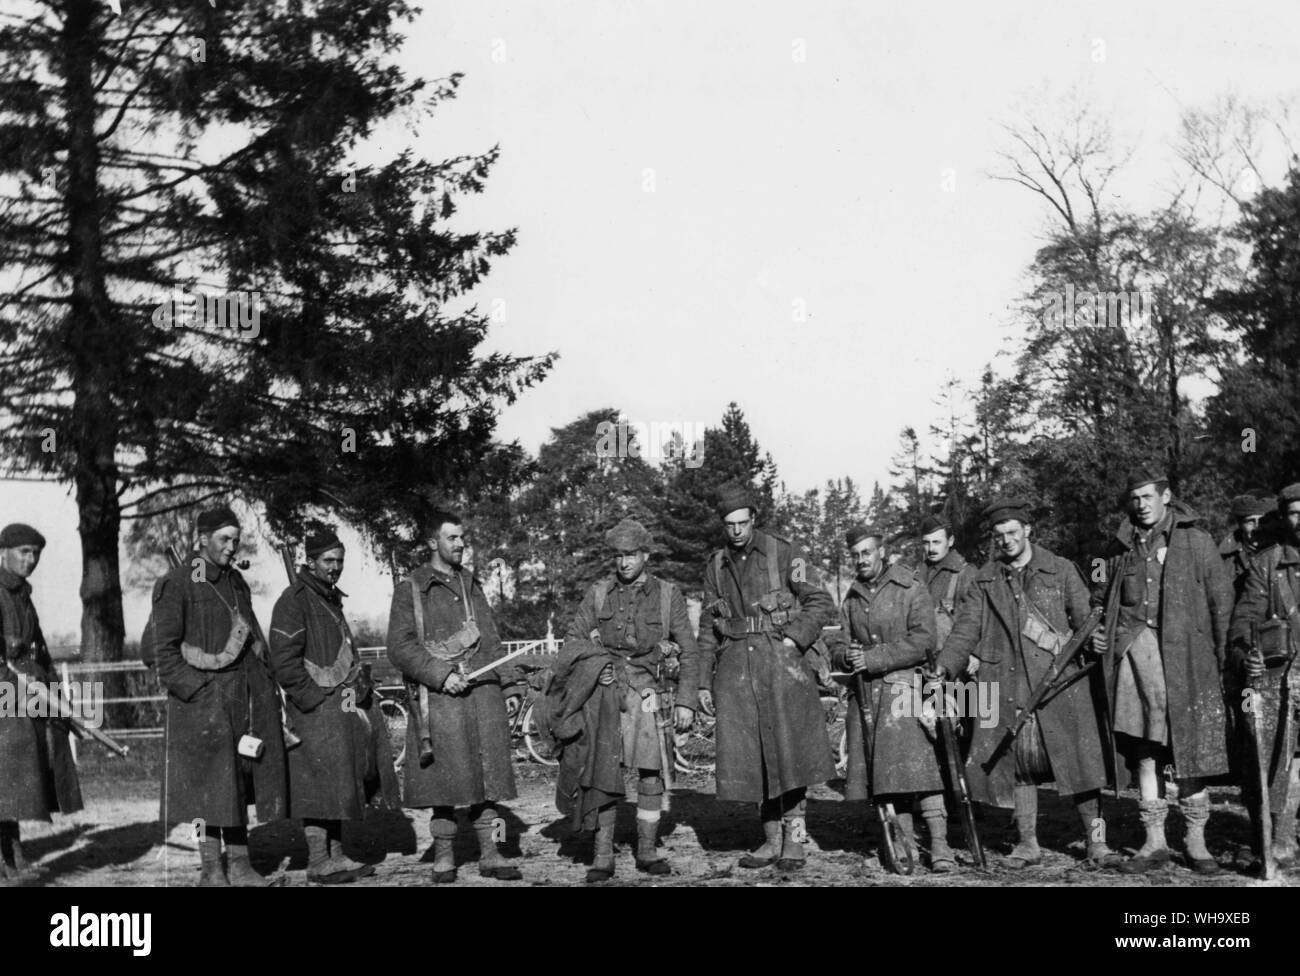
395,715
694,751
539,749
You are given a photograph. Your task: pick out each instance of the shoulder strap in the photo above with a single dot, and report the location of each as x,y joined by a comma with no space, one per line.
717,569
665,604
418,606
599,590
1282,584
773,567
951,595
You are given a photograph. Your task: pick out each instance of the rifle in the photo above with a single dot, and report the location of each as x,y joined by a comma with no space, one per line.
291,738
666,734
1051,684
955,785
891,829
1265,818
60,709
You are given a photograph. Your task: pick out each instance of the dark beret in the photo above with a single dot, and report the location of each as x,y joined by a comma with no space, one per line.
629,534
1250,506
1141,477
217,518
734,497
1289,494
321,540
932,523
17,534
860,532
1002,509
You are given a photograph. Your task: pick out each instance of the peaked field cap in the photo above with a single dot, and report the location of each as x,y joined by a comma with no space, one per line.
629,534
17,534
861,531
1006,508
932,523
217,518
733,497
1141,477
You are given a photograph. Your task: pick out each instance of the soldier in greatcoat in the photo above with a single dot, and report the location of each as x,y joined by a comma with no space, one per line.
440,629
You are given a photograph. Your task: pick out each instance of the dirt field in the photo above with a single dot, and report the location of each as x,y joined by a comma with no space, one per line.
117,840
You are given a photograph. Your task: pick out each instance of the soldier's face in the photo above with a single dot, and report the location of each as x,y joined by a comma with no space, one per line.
868,558
1010,538
1293,519
1147,505
628,564
220,546
1248,527
739,526
936,545
450,544
328,566
21,560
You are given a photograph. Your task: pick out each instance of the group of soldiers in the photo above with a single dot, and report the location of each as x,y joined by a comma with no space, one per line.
1193,646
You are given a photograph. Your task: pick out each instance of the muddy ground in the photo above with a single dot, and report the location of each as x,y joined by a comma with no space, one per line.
117,840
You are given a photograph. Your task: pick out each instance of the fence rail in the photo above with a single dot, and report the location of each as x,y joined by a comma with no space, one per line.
71,672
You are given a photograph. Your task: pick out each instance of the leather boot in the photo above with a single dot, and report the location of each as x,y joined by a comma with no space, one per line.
1154,852
322,868
1284,842
359,869
1196,811
240,870
210,873
443,829
1098,853
770,849
17,867
793,834
490,862
935,816
1026,853
602,862
648,799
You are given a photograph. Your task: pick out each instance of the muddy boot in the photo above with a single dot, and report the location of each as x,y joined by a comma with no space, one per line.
17,867
211,874
1154,852
1026,853
649,795
602,862
1098,852
443,829
358,868
1284,842
490,862
794,833
239,869
935,816
322,867
1196,811
770,849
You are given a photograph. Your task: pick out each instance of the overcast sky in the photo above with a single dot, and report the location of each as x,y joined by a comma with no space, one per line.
689,178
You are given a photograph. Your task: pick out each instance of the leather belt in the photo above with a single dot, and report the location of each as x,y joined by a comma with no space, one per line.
738,627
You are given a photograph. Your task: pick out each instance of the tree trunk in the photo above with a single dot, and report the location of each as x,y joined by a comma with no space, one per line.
95,355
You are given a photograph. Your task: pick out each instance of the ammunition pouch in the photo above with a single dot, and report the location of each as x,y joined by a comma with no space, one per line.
1275,641
197,657
1042,634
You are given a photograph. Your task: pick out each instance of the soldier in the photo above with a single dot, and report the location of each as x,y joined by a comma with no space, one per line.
37,774
1247,539
761,612
440,628
890,619
1168,600
1269,602
641,622
346,757
223,745
946,575
1023,607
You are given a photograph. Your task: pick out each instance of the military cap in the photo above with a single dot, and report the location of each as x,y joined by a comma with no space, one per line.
1250,506
628,535
932,523
1011,507
860,532
321,539
217,518
734,497
17,534
1149,475
1289,494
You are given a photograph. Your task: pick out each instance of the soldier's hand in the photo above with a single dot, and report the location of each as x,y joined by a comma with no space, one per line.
856,657
973,666
455,684
789,643
706,701
683,718
1254,665
606,675
1099,642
